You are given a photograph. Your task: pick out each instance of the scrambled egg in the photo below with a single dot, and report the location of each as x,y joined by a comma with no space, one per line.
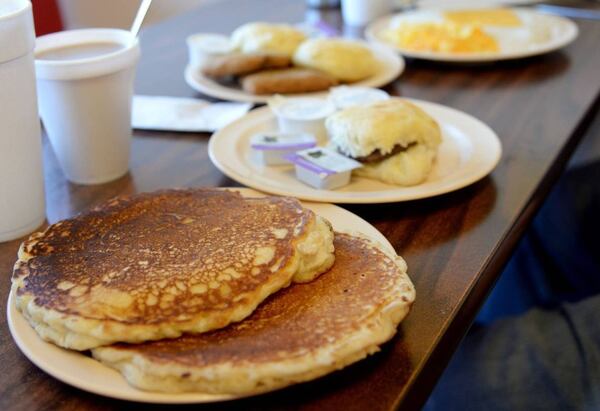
444,37
486,17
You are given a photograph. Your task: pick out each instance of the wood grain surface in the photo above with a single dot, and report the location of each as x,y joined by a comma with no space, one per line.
455,244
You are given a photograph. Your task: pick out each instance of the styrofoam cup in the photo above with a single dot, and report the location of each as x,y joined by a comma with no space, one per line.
85,103
22,205
361,12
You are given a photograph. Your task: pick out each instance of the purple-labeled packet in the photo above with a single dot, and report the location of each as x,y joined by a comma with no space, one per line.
322,168
271,148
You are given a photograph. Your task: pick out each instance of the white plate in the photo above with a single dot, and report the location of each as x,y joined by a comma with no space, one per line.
391,66
469,151
84,372
539,34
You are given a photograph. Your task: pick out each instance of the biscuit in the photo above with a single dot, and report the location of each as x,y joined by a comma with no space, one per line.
288,81
346,60
361,130
238,64
396,140
267,38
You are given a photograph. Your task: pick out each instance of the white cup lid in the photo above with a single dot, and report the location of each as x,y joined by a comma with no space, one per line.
17,35
89,66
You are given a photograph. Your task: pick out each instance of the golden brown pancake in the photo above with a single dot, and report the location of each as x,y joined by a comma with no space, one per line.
300,333
156,265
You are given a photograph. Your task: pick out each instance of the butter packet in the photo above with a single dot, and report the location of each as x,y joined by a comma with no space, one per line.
270,149
323,168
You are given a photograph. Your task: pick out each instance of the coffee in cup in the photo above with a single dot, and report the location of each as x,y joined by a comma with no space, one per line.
85,85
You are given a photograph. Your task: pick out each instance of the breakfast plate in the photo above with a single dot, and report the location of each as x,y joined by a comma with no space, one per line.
391,66
82,371
469,151
537,34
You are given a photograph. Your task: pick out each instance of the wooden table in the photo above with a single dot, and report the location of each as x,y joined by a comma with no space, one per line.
455,245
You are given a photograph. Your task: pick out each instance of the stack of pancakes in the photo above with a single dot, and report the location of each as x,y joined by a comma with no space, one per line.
187,291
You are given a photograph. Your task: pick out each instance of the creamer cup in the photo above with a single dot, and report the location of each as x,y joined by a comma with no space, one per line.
302,115
343,97
204,46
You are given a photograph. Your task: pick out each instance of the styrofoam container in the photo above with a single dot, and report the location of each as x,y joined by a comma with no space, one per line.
85,103
361,12
22,205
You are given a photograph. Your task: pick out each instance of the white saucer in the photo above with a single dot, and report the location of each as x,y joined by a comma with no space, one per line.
82,371
392,65
545,33
469,151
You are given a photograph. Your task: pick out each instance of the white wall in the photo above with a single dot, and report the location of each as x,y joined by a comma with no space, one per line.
118,13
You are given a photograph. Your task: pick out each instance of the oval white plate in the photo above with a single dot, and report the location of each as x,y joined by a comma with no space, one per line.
84,372
469,151
556,31
391,66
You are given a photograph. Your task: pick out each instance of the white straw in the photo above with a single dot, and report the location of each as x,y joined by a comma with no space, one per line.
139,17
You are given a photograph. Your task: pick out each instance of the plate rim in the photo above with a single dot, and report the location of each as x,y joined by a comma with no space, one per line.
338,196
395,64
570,36
74,379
